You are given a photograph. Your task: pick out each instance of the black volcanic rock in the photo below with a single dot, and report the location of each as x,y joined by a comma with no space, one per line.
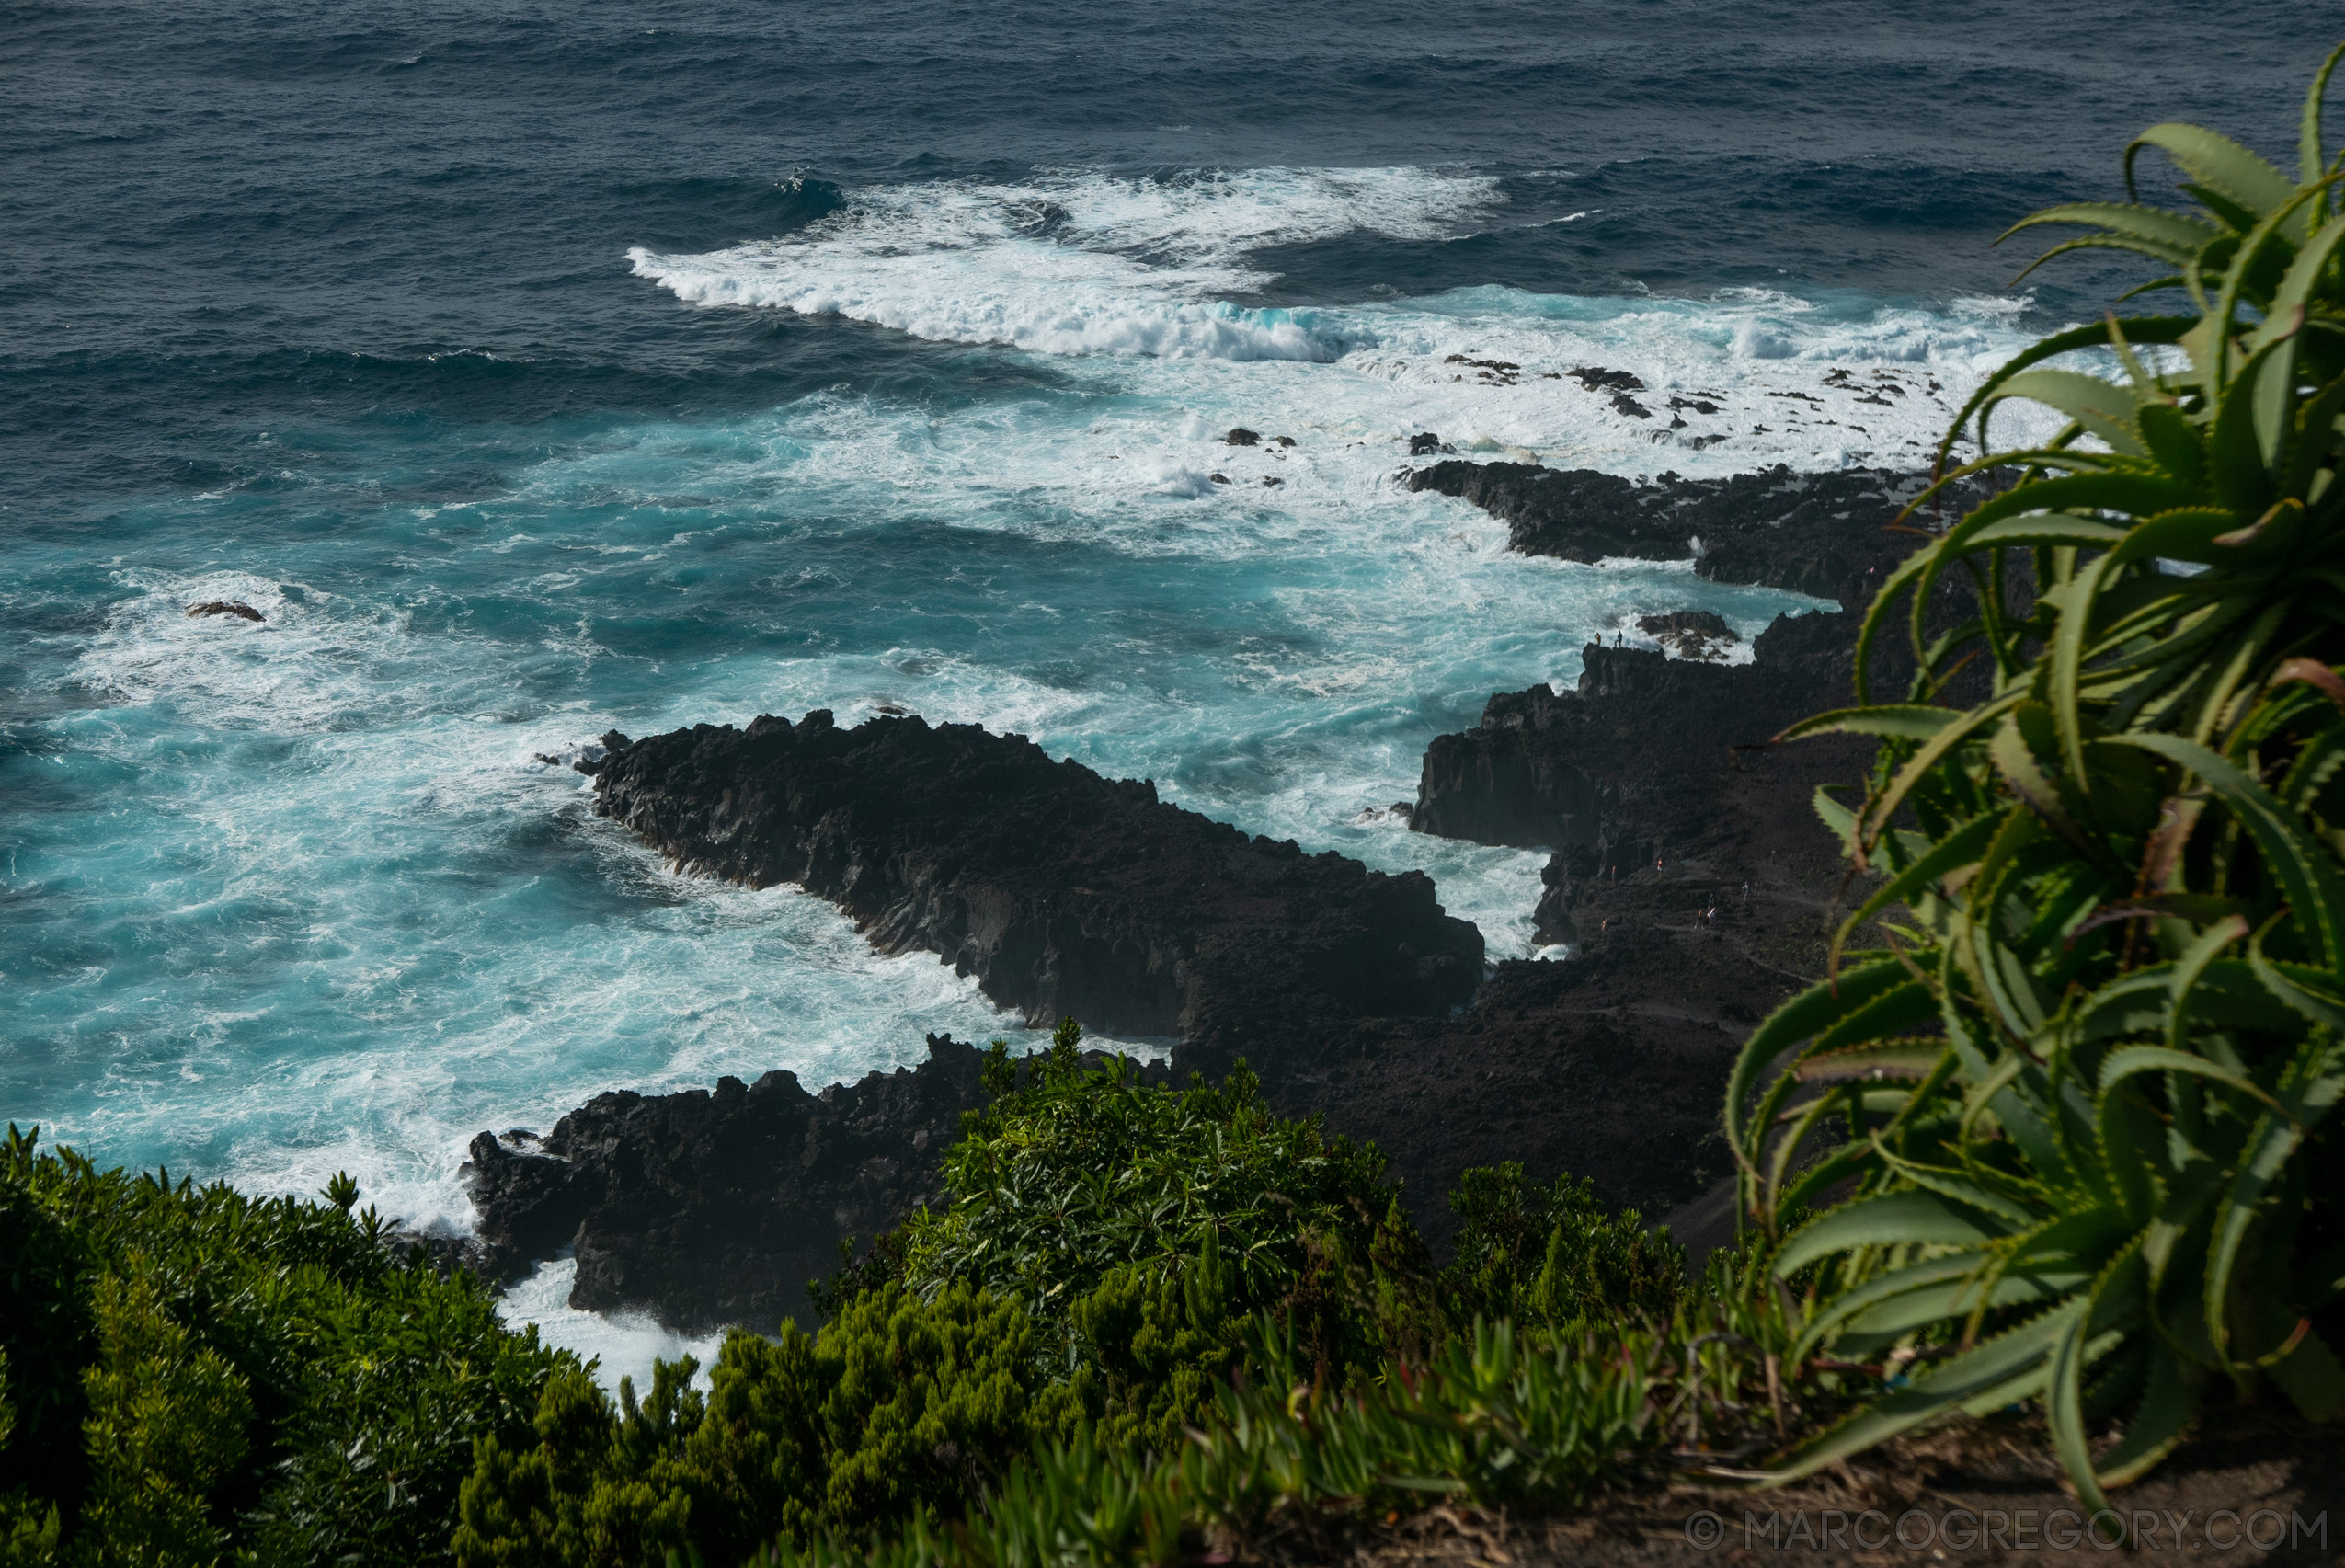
715,1209
1062,892
1824,535
1690,634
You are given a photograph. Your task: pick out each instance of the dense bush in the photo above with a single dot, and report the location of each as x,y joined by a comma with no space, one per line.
1117,1258
189,1375
2082,1103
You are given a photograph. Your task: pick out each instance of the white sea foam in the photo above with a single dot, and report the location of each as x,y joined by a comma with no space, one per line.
1080,266
622,1344
1075,264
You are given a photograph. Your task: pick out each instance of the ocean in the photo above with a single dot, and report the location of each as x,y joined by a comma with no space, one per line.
536,372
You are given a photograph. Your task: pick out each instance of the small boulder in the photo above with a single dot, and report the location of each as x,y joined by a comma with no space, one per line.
1218,478
224,607
1423,443
1243,437
1690,634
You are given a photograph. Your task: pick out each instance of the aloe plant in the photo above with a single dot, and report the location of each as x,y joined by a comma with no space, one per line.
2066,1136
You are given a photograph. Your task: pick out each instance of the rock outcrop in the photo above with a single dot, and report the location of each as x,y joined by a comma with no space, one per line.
1061,892
713,1208
1690,874
1642,747
1824,535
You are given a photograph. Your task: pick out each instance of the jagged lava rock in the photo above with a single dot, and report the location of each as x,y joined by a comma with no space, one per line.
1061,892
716,1208
1824,535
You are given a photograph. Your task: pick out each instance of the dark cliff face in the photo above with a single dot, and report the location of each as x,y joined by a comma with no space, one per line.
717,1209
1817,533
1603,768
1062,892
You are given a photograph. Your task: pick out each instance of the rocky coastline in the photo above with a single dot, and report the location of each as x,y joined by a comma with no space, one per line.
1060,891
1688,874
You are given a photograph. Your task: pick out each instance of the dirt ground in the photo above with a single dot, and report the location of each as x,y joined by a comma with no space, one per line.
2250,1488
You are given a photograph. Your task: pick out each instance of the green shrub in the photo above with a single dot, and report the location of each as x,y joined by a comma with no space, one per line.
2082,1103
1145,1227
192,1375
1549,1258
898,1408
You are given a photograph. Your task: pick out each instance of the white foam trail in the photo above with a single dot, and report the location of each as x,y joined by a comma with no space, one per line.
622,1344
1074,264
1090,266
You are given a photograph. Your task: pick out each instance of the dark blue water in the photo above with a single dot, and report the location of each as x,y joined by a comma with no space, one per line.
534,372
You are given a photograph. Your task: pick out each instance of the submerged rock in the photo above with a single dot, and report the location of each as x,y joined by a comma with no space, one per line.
225,607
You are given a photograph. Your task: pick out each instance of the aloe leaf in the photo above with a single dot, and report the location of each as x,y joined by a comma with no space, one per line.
2308,147
1905,1007
2273,1141
1958,849
2119,1287
2312,1379
2176,232
1905,721
2315,890
2146,329
2131,1140
2169,1404
1909,1218
2066,670
1920,1307
2011,1361
2235,452
2104,407
1878,811
2027,773
2216,161
2314,442
2131,1004
1815,1009
2284,315
2128,1061
2190,967
2172,440
2048,528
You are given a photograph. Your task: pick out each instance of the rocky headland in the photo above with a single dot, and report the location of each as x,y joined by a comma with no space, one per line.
1690,874
1061,892
713,1208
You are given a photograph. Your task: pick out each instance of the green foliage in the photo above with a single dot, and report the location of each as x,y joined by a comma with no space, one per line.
898,1408
1145,1227
2082,1102
1553,1256
1488,1418
192,1375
